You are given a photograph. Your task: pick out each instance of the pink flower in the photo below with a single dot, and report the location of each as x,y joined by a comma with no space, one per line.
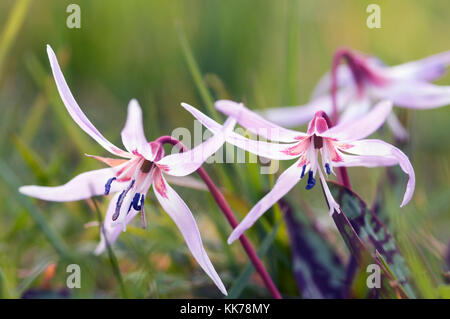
130,177
342,145
364,80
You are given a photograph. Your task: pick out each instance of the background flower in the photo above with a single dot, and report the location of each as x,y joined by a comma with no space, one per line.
265,53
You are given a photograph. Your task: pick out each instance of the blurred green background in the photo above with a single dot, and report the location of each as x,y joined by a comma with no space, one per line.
266,53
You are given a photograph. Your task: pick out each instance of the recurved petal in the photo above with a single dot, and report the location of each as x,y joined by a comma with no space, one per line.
379,153
83,186
256,123
287,180
290,116
133,137
273,151
175,207
75,111
415,94
362,127
185,163
428,69
269,150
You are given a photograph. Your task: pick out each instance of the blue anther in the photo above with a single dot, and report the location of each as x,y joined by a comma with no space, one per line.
108,185
327,167
135,203
311,181
118,204
303,171
120,200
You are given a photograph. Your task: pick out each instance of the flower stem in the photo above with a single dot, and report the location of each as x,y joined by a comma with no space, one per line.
226,209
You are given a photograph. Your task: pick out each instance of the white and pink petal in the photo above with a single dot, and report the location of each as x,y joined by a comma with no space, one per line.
185,163
133,137
75,111
379,153
85,185
287,180
176,208
255,123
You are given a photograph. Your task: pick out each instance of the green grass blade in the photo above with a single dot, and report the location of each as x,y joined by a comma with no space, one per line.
196,74
12,181
12,26
111,255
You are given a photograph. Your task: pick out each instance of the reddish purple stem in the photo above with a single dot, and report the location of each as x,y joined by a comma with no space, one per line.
226,209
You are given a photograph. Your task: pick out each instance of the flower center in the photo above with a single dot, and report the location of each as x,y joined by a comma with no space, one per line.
318,142
146,166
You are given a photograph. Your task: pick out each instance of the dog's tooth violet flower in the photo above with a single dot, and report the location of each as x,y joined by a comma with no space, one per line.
142,166
317,151
364,80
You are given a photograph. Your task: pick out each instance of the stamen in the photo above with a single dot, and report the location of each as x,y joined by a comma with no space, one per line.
118,204
142,201
311,181
108,185
143,218
135,202
327,167
120,201
303,171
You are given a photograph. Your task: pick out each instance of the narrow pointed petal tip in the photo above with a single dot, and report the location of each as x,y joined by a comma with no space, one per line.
285,182
180,213
85,185
379,153
133,136
27,190
185,163
255,123
74,109
233,236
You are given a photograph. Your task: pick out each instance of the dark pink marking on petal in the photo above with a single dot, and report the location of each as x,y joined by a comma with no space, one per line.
321,125
335,157
318,123
297,149
159,184
165,168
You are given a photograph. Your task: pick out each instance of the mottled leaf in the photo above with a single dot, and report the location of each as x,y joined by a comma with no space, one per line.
372,231
318,271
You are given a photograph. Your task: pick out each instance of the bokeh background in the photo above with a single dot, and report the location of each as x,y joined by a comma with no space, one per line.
265,53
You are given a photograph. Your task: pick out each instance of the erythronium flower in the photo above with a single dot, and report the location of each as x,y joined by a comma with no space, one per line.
131,177
364,80
341,145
